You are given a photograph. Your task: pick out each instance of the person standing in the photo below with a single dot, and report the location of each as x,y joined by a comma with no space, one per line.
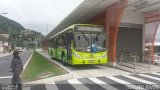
17,68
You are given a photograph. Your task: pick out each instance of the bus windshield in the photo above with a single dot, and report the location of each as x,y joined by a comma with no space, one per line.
90,42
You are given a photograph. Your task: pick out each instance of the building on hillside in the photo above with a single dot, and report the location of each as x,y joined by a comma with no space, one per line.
27,32
4,42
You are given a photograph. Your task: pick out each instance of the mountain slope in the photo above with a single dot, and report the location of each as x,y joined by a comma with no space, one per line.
6,24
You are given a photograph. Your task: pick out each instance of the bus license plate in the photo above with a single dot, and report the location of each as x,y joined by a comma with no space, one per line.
91,61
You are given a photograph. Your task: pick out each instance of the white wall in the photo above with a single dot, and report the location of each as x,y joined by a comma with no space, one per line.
133,17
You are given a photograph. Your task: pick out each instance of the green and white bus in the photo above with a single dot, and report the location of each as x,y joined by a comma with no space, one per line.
79,44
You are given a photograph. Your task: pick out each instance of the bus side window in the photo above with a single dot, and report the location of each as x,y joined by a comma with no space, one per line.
64,41
56,44
60,42
50,43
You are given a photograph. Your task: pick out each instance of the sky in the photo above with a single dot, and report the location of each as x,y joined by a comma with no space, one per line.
38,14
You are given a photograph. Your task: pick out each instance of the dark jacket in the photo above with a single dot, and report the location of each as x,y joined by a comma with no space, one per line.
16,65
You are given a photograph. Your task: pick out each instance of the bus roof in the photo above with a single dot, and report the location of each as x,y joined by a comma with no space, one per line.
72,26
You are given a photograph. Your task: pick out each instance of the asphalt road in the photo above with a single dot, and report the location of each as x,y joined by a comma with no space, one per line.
142,81
5,75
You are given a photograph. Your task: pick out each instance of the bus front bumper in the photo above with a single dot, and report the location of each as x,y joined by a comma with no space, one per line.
89,61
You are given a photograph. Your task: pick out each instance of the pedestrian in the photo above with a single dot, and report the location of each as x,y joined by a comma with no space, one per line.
17,68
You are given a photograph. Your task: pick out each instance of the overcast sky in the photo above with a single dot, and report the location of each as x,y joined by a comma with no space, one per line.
36,14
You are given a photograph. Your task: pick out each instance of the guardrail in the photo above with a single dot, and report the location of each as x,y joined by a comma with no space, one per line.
131,60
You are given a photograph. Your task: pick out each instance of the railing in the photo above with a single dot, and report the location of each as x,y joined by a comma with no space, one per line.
131,60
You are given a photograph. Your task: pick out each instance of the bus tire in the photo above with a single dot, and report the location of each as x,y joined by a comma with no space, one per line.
63,61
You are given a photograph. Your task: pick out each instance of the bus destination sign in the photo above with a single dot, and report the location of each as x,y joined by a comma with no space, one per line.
89,29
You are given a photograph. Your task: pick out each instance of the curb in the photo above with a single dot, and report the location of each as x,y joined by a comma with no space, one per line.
55,62
51,79
24,67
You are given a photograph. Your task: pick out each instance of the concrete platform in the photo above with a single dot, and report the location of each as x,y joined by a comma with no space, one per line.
88,71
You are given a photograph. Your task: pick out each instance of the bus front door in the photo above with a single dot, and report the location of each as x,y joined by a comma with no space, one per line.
69,40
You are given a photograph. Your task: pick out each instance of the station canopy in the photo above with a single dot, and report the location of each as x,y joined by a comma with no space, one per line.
90,8
86,10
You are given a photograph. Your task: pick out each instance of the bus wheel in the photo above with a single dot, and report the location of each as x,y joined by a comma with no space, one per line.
63,61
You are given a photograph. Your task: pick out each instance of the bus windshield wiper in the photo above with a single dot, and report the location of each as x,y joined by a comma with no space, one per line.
85,37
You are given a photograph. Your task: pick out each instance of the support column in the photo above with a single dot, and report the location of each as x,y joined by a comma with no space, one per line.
113,17
152,22
110,19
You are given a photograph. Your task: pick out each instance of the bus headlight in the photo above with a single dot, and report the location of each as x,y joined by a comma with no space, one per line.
77,55
104,55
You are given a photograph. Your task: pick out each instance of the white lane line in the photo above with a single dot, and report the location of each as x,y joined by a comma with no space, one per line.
25,65
77,84
52,83
97,81
27,88
129,85
156,73
2,61
147,76
51,86
118,80
103,84
74,81
6,77
138,79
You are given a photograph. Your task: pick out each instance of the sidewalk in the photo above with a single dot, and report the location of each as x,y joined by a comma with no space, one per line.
5,54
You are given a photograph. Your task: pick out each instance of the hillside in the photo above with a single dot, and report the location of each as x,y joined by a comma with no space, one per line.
6,23
19,36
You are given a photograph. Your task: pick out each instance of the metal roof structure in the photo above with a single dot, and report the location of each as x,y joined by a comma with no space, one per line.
86,10
89,8
143,6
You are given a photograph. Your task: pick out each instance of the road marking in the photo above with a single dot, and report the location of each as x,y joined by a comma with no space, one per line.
24,67
138,79
52,83
102,84
97,81
2,61
74,81
6,77
77,84
118,80
51,87
147,76
156,73
26,88
129,85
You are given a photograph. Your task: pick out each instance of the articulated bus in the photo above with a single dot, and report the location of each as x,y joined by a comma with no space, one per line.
79,44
